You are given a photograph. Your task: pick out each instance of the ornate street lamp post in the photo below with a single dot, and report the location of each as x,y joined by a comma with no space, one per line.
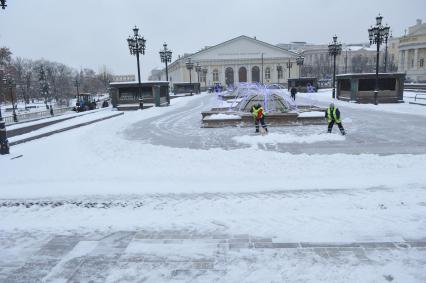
289,65
299,62
4,143
189,66
166,57
77,84
8,80
377,35
334,49
137,46
279,72
198,70
204,70
44,85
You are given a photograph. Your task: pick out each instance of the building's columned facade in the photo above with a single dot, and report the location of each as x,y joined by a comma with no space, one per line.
412,53
242,59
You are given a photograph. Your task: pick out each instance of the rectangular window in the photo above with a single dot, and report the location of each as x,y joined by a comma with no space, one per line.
370,84
345,85
366,84
422,63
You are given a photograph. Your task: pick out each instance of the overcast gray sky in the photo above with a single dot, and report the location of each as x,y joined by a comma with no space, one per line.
92,33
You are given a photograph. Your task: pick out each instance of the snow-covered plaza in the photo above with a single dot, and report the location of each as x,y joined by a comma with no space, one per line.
150,196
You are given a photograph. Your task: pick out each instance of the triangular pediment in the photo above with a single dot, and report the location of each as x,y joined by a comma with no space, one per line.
242,47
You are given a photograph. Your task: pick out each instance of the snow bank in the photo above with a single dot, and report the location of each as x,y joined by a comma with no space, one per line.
314,114
324,97
222,117
275,138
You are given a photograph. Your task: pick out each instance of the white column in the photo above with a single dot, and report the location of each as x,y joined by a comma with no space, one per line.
416,54
406,66
400,61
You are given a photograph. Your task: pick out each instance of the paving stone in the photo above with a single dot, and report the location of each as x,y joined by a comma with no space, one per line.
260,240
378,245
103,258
285,245
66,271
39,265
360,254
203,265
102,266
237,246
417,244
221,236
33,271
328,245
322,252
263,245
241,236
238,240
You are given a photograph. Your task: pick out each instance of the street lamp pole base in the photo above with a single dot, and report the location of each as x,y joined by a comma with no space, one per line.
375,97
4,143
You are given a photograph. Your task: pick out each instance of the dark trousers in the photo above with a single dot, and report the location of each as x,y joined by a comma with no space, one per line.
331,124
293,95
262,122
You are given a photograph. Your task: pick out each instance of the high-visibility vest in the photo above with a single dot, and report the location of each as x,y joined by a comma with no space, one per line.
258,113
334,117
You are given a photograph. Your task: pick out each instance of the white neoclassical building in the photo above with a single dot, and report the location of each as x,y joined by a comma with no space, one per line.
412,52
241,59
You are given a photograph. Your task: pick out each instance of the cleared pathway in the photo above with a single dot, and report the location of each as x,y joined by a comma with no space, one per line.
368,132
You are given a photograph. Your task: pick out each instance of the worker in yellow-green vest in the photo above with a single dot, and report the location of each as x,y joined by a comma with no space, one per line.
259,117
333,116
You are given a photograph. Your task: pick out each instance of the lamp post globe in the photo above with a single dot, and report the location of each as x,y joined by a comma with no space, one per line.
136,45
334,49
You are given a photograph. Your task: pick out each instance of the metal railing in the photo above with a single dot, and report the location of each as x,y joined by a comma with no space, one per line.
420,94
36,115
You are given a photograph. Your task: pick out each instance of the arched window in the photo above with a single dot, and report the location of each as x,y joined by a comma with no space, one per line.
229,76
242,75
268,73
215,75
255,74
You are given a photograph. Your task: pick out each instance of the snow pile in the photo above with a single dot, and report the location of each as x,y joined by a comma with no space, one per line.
275,138
313,114
324,96
222,117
